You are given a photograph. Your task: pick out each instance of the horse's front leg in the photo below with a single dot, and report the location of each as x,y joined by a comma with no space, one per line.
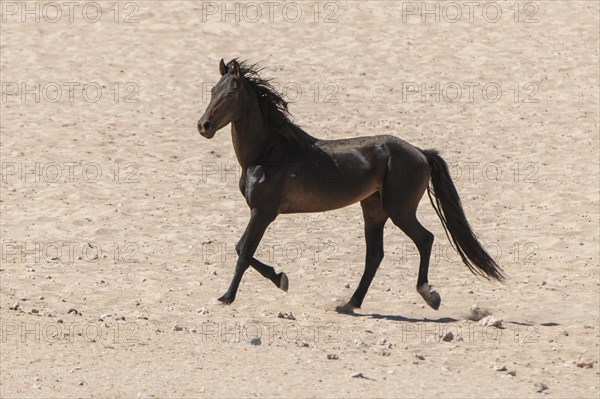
259,221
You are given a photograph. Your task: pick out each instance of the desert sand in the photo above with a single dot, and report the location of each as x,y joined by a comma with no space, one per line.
119,220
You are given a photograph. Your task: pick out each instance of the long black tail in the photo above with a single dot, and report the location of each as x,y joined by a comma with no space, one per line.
447,205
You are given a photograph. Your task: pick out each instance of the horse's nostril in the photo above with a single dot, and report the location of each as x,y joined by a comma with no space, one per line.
206,125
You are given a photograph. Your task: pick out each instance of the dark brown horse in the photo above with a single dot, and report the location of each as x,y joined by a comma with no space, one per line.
286,170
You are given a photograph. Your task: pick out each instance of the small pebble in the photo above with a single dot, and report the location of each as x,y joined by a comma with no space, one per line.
255,341
420,357
332,356
15,306
448,337
584,363
491,321
177,327
358,375
500,367
347,285
540,387
286,315
202,310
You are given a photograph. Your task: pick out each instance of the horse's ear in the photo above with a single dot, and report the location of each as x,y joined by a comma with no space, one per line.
236,68
222,67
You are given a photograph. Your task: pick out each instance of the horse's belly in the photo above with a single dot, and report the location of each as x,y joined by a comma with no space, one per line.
326,196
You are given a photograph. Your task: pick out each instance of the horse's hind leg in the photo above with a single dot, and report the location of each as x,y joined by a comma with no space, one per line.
423,239
403,188
375,219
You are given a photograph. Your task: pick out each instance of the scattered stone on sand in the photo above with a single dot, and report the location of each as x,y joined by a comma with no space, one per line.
255,341
202,310
380,350
286,315
476,313
347,285
491,321
512,373
564,333
332,356
584,362
500,367
145,396
358,375
304,344
74,311
420,357
177,327
540,387
448,337
358,344
15,306
35,311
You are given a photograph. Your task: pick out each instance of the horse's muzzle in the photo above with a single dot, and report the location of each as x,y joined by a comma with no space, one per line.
206,129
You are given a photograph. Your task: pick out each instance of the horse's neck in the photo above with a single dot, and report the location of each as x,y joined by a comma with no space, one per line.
250,135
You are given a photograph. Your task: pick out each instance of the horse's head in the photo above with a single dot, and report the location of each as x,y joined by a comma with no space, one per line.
224,101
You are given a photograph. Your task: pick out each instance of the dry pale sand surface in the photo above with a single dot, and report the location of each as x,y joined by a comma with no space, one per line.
119,220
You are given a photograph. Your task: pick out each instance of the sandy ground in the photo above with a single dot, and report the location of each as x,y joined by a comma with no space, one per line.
119,221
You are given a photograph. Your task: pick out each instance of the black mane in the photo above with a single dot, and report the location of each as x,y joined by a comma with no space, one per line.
273,106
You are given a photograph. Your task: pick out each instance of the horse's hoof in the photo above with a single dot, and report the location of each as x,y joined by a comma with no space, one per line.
434,300
345,309
226,299
284,283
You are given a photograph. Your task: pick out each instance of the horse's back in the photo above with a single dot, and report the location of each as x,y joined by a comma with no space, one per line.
385,146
